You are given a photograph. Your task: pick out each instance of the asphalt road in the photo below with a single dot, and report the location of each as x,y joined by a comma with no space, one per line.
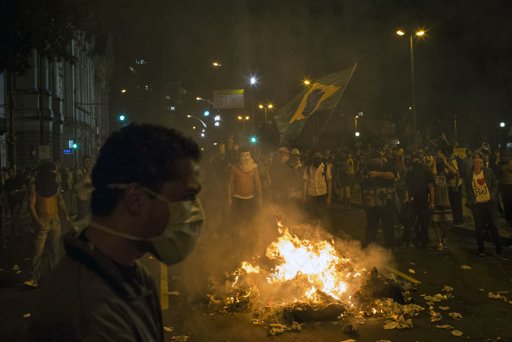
483,319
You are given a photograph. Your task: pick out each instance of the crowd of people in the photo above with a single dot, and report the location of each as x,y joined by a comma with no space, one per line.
142,194
411,195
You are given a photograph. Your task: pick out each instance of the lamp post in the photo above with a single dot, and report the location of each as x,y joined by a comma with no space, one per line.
266,107
243,118
198,119
419,34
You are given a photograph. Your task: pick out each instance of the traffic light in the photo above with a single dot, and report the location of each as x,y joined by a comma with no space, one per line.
74,146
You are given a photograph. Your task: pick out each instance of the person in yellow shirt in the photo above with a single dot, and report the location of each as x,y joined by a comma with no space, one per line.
44,201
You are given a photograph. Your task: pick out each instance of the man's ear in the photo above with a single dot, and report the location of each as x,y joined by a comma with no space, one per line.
135,200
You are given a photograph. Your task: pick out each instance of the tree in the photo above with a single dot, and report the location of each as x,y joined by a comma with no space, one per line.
47,26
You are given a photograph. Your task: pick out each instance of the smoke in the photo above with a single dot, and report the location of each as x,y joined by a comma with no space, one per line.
224,247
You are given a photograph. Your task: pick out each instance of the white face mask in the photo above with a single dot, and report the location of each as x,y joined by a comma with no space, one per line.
183,229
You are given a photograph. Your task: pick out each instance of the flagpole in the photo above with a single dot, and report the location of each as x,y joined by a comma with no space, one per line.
335,106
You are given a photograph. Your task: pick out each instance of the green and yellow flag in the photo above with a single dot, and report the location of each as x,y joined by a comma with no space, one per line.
322,95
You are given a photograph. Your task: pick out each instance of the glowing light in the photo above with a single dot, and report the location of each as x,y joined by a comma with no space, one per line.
217,124
270,106
400,32
253,80
122,117
239,117
260,106
203,135
206,113
306,82
502,124
357,134
123,91
420,33
247,117
216,118
199,98
216,64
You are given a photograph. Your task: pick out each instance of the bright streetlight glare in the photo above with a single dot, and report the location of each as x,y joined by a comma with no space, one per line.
202,135
193,127
217,124
261,106
216,64
307,82
206,113
247,117
357,134
216,118
400,32
199,98
240,117
270,106
420,33
123,91
502,124
253,80
122,117
189,116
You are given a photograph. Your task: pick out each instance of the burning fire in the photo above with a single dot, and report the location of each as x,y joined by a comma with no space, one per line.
301,271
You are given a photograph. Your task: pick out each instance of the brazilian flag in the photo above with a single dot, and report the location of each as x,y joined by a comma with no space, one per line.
322,95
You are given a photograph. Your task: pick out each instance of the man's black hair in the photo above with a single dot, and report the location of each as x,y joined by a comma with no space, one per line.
139,153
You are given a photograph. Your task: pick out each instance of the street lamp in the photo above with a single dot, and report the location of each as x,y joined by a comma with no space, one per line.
419,34
306,82
243,118
216,64
198,119
502,124
264,108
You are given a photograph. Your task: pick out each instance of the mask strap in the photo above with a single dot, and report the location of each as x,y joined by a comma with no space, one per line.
113,232
149,191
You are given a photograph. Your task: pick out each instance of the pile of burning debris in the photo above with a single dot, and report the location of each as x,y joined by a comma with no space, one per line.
300,280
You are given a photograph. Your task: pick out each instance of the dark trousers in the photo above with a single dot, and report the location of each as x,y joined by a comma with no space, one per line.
244,210
317,206
376,214
485,216
455,197
417,219
506,197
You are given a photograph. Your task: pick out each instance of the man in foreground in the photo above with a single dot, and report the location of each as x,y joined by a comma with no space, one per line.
145,180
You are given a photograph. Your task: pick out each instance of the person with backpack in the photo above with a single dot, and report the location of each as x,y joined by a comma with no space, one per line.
379,199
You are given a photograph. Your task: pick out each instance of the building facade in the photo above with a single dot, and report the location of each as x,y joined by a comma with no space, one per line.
55,105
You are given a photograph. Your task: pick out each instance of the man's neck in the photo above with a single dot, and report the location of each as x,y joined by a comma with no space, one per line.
120,250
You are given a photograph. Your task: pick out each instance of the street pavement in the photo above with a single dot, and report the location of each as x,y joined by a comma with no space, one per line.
483,319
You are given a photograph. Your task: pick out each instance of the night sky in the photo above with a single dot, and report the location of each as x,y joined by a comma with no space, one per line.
462,66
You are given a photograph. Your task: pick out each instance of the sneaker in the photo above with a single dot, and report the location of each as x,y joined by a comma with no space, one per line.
31,283
501,257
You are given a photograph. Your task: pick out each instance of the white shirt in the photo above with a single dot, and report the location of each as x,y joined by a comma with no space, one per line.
316,179
480,188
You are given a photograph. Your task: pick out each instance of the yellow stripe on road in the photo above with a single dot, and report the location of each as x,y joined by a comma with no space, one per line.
164,288
405,276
